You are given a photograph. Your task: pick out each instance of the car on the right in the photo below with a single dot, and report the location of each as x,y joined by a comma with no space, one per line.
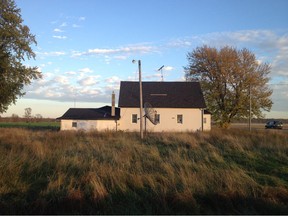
274,125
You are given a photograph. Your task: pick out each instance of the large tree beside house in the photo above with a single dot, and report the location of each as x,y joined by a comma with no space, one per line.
230,79
15,47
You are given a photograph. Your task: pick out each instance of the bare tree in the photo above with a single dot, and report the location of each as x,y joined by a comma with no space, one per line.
14,117
27,114
38,117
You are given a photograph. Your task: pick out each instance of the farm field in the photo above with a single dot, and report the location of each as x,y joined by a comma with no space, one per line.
217,172
254,126
52,125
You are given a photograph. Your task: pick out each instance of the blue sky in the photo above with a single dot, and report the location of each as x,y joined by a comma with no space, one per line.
85,48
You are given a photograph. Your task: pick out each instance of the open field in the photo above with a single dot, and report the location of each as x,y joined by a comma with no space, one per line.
42,125
217,172
254,126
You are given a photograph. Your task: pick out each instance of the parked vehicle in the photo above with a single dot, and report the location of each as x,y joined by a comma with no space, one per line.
274,125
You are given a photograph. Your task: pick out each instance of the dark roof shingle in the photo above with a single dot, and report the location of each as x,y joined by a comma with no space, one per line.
102,113
162,94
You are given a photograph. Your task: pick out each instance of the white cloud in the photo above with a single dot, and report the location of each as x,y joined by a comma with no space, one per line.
101,51
180,42
86,70
57,53
142,49
70,73
52,53
75,26
168,68
53,94
113,79
88,81
82,18
83,71
58,30
59,37
61,79
64,24
153,77
120,57
267,45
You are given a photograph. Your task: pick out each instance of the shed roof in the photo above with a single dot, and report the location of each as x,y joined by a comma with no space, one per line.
102,113
162,94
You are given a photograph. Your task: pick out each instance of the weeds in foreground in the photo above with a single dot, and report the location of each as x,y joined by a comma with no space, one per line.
220,172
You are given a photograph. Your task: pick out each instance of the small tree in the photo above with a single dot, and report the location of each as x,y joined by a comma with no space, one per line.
27,114
14,117
228,78
15,41
38,117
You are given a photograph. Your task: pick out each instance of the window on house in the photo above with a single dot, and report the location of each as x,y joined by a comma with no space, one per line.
74,124
180,119
134,118
157,118
204,120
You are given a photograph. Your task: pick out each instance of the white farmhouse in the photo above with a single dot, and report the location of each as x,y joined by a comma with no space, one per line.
177,106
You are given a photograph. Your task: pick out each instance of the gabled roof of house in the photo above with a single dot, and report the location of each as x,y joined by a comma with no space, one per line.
102,113
162,94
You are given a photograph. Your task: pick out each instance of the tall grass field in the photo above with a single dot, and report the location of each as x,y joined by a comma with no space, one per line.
217,172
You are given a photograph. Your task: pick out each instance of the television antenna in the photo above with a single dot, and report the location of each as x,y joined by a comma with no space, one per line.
150,113
160,69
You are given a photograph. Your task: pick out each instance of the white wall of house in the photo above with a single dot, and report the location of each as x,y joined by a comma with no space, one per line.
207,122
169,120
87,125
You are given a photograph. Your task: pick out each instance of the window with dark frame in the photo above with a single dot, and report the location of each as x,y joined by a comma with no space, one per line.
134,118
74,124
157,118
180,119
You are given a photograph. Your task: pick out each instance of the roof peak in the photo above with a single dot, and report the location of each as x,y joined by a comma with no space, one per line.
162,81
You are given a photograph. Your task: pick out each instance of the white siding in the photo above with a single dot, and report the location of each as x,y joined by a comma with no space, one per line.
87,125
207,124
192,120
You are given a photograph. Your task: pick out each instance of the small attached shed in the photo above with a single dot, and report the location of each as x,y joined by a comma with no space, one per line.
100,119
207,120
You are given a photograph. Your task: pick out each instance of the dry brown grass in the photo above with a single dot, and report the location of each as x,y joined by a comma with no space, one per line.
217,172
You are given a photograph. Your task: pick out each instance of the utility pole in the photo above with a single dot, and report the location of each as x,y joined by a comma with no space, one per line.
141,98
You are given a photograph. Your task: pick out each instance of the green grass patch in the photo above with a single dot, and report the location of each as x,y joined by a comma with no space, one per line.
31,125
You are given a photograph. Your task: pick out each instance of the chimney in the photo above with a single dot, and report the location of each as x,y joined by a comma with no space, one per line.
113,104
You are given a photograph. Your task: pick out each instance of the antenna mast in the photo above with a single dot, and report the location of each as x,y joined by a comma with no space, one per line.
160,69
